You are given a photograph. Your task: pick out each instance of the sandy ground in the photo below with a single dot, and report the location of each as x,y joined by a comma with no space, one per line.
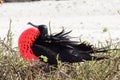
86,18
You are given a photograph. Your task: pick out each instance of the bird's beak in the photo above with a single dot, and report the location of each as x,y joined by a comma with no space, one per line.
32,24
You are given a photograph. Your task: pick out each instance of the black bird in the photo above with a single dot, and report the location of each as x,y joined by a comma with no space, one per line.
35,43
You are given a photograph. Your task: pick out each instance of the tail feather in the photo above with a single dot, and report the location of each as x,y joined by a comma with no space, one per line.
99,58
101,50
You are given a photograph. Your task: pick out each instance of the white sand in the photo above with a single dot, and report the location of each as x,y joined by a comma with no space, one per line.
86,18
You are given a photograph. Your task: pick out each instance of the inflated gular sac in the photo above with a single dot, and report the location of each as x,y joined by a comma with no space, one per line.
26,40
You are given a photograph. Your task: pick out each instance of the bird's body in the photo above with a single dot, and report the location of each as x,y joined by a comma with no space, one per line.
36,42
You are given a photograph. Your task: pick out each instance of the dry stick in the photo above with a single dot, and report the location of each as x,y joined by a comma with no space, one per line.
8,48
50,28
8,38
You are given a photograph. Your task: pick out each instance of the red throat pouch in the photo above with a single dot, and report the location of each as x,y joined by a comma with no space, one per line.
25,42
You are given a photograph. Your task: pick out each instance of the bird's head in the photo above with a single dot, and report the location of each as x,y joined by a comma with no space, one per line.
42,28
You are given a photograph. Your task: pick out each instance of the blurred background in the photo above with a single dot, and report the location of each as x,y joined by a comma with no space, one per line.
89,20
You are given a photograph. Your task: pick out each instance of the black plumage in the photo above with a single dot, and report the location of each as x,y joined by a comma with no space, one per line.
60,45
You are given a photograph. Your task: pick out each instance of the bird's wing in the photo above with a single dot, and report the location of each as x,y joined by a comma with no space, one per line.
63,38
42,51
73,55
85,47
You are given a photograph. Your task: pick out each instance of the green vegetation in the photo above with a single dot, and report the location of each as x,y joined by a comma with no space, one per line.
105,29
45,59
13,67
118,11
